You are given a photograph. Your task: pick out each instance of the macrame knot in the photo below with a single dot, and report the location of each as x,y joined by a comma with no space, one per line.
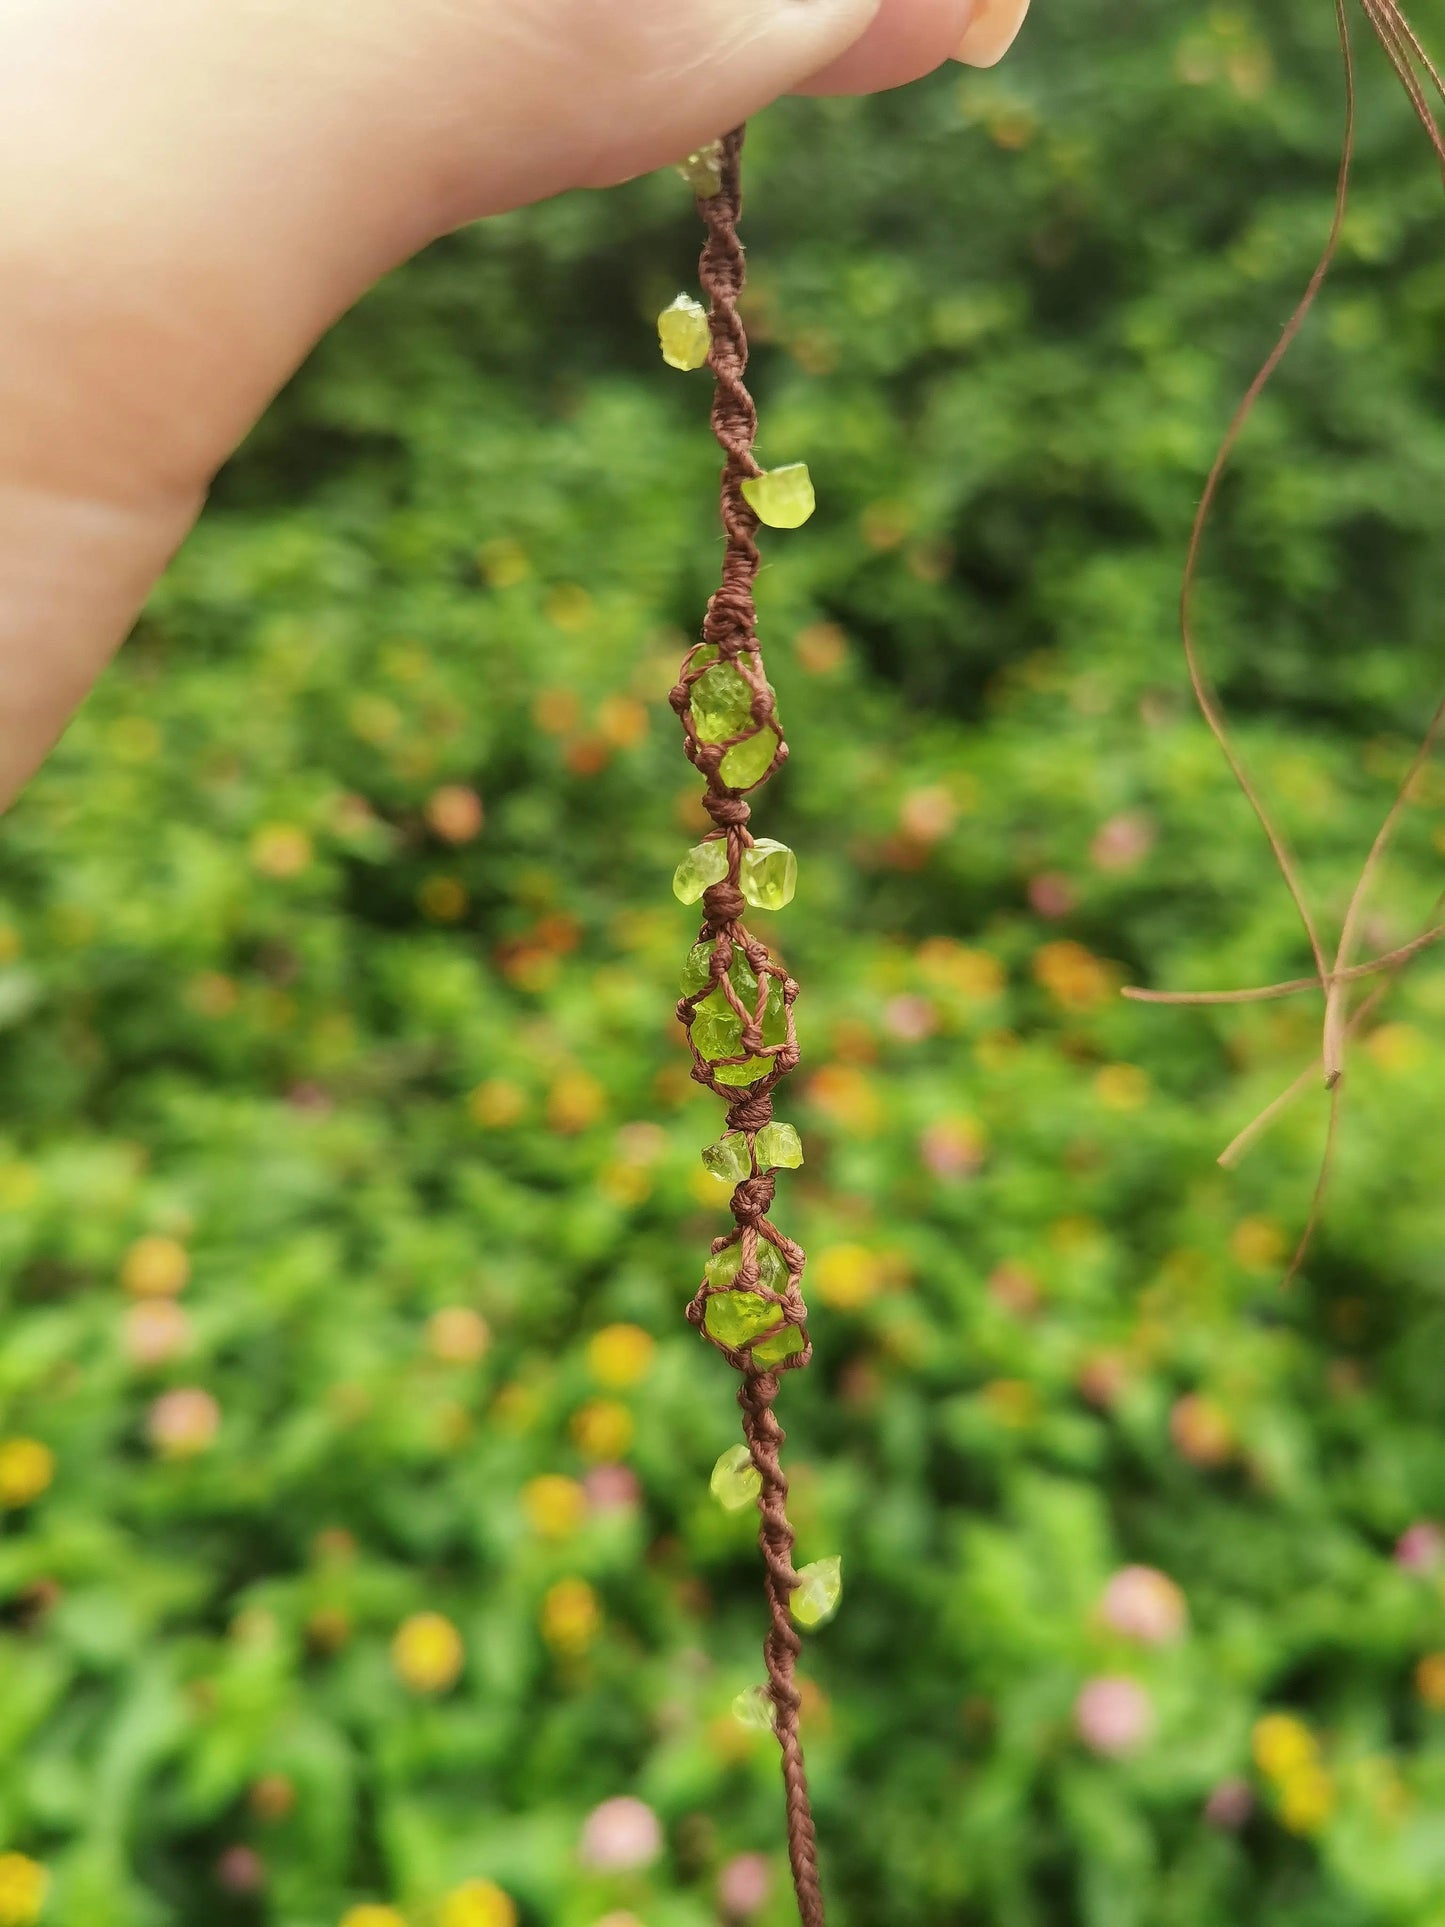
680,696
728,811
723,903
753,1199
752,1112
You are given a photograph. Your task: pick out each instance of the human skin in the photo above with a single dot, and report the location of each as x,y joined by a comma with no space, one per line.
191,192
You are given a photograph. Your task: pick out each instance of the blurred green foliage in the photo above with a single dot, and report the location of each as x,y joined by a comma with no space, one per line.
402,1105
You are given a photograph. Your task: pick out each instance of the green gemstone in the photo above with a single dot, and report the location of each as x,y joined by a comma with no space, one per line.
748,762
697,971
722,703
702,866
703,170
735,1480
816,1599
734,1317
725,1265
779,1148
728,1158
736,1076
717,1030
754,1709
683,333
783,498
769,874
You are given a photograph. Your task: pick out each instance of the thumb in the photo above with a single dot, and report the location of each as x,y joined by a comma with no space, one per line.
194,193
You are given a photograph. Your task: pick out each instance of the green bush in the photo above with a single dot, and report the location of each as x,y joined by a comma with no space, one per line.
274,1018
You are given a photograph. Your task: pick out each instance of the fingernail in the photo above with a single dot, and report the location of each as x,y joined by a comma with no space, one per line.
994,30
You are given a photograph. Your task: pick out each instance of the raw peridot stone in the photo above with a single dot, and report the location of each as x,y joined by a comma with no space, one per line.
703,170
684,334
697,971
702,866
816,1599
779,1148
769,875
717,1030
722,703
728,1158
754,1709
781,497
735,1480
725,1265
734,1317
748,762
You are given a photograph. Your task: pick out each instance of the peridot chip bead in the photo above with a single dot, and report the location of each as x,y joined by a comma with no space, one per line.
703,866
779,1148
754,1709
703,170
728,1158
748,762
717,1030
722,703
735,1480
697,970
782,498
769,874
816,1599
683,333
725,1265
733,1317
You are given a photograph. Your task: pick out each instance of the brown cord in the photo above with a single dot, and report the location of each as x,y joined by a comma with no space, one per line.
730,635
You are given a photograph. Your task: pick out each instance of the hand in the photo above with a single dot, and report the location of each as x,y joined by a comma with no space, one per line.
193,193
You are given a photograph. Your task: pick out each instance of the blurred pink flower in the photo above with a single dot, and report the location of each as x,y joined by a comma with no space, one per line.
1015,1290
1421,1547
1122,841
183,1423
1114,1716
611,1488
1144,1604
155,1330
241,1870
1103,1378
952,1148
1051,895
621,1834
910,1019
743,1886
1229,1805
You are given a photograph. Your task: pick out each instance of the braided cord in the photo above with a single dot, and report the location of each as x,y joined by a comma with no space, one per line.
729,636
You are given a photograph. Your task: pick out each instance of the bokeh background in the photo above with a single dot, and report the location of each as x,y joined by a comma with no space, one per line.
356,1547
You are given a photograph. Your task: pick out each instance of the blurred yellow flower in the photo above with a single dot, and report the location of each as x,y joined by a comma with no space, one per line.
574,1101
280,850
1258,1244
443,899
623,721
1011,1401
555,1507
497,1103
1306,1798
1430,1681
847,1097
457,1335
625,1184
571,1617
427,1653
845,1276
23,1884
26,1470
373,1916
1398,1049
972,973
1122,1087
479,1903
503,562
1073,976
603,1429
155,1267
821,648
1282,1745
620,1355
